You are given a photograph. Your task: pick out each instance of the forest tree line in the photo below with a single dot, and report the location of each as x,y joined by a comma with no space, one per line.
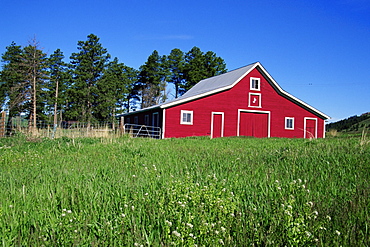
353,123
93,87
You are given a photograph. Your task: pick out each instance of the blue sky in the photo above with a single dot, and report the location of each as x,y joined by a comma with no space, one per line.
318,51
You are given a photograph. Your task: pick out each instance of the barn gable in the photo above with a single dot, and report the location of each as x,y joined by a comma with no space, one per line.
228,80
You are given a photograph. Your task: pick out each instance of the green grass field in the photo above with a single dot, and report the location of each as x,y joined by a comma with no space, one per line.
185,192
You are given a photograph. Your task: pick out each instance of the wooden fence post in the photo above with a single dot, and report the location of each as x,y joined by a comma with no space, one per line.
122,125
2,124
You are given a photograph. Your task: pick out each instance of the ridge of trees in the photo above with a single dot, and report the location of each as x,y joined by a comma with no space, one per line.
353,123
93,87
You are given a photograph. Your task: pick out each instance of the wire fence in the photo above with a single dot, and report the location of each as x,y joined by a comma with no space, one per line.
73,129
16,126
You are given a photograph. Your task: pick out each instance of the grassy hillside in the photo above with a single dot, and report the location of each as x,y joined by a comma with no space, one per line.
354,124
185,192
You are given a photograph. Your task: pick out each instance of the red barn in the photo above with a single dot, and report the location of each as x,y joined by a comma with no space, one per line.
243,102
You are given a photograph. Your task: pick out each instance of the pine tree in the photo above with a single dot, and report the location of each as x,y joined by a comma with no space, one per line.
199,66
174,63
34,63
11,80
115,85
23,77
152,81
88,67
58,84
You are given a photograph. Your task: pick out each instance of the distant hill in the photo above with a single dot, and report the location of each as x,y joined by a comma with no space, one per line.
351,124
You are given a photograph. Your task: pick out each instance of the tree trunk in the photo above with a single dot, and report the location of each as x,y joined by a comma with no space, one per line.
34,101
56,103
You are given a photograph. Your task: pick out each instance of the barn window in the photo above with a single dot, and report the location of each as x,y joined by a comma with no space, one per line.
289,123
186,117
255,83
136,120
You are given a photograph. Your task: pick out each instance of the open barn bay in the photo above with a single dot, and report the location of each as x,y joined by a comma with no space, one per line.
184,192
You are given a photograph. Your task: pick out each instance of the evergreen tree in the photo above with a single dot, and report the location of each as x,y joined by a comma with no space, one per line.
11,81
88,67
58,84
23,77
199,66
34,65
152,81
115,85
174,63
133,95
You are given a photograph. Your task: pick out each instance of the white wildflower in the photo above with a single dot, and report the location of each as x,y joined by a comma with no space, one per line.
69,211
337,232
176,233
169,223
189,225
221,241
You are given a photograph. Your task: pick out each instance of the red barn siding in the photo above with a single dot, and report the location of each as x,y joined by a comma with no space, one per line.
234,99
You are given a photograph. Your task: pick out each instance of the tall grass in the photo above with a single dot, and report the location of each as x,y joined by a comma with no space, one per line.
184,192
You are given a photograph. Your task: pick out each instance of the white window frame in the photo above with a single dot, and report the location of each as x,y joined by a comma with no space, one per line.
182,117
287,127
259,100
252,87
